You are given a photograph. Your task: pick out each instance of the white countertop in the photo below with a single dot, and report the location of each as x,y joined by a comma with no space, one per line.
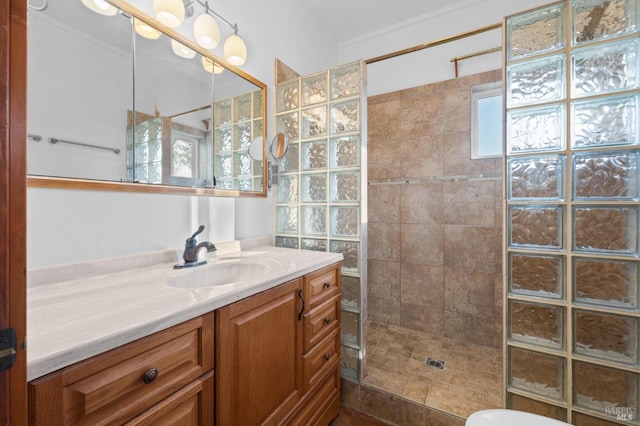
74,319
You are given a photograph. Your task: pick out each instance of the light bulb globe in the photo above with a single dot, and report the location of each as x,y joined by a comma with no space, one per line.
101,7
206,31
235,51
182,50
169,12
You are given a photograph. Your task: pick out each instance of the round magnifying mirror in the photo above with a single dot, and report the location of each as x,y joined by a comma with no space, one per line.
279,146
256,148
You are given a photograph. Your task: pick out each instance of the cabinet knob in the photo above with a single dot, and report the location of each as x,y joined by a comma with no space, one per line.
150,375
327,320
326,284
326,357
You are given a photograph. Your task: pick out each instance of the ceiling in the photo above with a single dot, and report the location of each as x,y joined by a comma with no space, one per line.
347,19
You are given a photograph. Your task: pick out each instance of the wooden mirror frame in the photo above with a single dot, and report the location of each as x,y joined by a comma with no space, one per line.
98,185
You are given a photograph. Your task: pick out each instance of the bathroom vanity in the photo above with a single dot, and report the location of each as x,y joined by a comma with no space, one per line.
260,350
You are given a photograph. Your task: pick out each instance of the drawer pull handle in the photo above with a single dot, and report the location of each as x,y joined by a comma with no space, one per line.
326,284
150,375
326,357
327,320
301,310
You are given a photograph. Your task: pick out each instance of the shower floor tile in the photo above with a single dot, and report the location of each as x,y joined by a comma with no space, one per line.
471,379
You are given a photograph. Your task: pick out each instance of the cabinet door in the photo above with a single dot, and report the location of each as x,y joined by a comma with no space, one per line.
259,357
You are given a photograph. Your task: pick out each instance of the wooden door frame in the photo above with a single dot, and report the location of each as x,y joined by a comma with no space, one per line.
13,136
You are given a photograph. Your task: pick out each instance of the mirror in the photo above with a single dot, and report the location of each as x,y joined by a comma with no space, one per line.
279,146
182,122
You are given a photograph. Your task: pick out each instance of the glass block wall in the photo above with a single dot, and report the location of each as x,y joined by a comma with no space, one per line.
320,201
572,319
237,121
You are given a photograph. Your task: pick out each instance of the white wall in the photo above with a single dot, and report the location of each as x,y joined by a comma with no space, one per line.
67,226
433,64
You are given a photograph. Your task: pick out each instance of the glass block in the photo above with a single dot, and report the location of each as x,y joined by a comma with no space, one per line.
605,69
536,275
609,337
286,220
520,403
223,166
344,117
222,113
314,122
257,128
345,187
155,129
155,172
287,189
287,242
536,129
344,222
605,175
538,226
536,81
155,151
612,121
314,89
535,32
350,251
243,184
129,157
599,19
314,220
287,96
241,164
224,183
348,362
344,152
536,178
257,104
130,174
288,124
536,324
141,173
345,81
601,282
350,292
536,373
242,108
580,419
242,136
314,155
314,188
314,244
142,153
605,229
604,390
223,139
349,328
142,132
290,162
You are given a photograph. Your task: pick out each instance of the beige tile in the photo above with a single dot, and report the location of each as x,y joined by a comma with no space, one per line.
421,244
469,203
384,241
437,418
418,317
384,204
384,279
391,408
469,248
457,110
422,203
469,328
469,292
384,310
422,156
422,285
350,393
458,160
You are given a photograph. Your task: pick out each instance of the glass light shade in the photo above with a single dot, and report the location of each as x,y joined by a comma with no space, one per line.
169,12
235,50
211,66
101,7
145,30
206,31
182,50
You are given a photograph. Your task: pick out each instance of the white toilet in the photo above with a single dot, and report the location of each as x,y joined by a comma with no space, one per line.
502,417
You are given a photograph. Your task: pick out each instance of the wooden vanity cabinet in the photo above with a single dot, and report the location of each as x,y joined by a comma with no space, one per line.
278,352
163,378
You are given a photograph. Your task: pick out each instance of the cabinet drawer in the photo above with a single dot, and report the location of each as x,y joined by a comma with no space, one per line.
320,321
323,403
102,389
322,358
322,284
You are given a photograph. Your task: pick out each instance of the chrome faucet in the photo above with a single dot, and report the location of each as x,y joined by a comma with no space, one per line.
192,248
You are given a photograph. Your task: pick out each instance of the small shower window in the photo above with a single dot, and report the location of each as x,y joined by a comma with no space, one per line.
486,121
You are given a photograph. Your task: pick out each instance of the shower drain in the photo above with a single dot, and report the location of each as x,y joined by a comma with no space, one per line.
435,363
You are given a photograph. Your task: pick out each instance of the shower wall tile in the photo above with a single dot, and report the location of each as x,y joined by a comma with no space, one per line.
469,328
383,310
413,248
421,203
469,248
421,156
384,279
384,204
421,115
457,110
458,161
422,285
415,317
469,292
459,196
391,408
384,242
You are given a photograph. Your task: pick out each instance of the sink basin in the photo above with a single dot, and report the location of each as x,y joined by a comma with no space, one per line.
219,274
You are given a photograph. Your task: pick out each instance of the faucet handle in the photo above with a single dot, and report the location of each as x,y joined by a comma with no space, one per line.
200,229
191,241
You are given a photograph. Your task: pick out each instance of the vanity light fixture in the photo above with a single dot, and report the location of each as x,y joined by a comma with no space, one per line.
145,30
169,12
211,66
206,31
101,7
182,50
235,50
